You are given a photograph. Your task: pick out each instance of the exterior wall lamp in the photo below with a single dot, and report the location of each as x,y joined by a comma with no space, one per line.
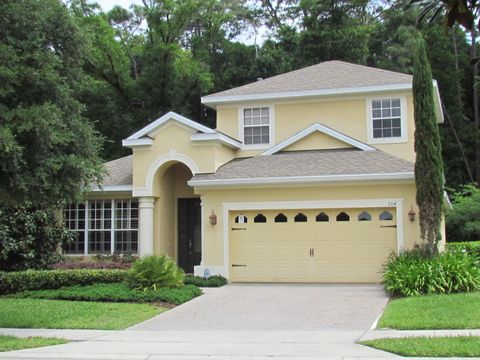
213,218
411,214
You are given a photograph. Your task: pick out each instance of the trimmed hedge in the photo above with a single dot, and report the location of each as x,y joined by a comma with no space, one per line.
212,281
13,282
75,265
115,293
412,273
470,247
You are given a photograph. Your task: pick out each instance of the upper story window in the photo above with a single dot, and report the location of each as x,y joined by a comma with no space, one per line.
387,120
256,125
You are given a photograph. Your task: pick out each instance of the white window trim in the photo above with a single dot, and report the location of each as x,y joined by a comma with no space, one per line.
271,128
403,120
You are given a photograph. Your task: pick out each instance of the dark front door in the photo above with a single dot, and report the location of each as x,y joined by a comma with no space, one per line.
189,234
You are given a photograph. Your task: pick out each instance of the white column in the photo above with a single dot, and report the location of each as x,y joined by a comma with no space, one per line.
145,229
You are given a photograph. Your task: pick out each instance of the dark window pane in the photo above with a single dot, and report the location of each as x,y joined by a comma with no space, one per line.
322,217
343,216
260,218
300,217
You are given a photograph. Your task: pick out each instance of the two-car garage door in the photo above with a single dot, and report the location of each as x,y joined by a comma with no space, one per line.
314,245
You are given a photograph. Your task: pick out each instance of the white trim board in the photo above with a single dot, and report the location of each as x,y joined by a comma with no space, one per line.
172,155
301,179
322,129
217,137
311,204
213,100
111,188
136,138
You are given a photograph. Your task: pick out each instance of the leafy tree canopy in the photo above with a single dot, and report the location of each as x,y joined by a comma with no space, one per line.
48,151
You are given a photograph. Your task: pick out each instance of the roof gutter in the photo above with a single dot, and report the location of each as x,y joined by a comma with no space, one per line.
111,188
300,180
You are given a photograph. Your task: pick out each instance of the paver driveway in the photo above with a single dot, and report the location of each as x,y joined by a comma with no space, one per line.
287,307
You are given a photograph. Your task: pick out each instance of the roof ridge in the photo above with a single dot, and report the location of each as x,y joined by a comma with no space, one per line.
371,67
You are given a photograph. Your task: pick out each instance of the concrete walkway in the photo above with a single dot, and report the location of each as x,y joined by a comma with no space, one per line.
239,322
212,345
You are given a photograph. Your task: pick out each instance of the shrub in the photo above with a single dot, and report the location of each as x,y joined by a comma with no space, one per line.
463,220
53,279
29,237
411,273
154,272
212,281
471,247
115,293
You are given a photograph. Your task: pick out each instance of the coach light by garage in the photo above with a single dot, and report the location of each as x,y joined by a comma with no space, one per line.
411,214
213,218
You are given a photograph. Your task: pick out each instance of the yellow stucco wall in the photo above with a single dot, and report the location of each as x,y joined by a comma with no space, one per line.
345,114
176,138
317,141
213,200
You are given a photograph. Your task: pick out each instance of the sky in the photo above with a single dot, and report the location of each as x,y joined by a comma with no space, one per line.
246,38
108,4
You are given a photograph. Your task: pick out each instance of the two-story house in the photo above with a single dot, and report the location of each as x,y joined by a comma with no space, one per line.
308,177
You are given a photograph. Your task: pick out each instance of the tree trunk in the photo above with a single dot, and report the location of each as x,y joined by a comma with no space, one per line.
476,119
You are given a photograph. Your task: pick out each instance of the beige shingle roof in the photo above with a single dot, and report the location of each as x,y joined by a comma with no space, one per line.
326,75
311,163
120,171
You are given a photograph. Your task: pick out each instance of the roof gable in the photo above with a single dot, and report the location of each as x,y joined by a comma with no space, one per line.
200,132
317,140
322,129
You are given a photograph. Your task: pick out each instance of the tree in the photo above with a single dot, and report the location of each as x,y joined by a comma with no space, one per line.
48,151
463,220
465,13
428,163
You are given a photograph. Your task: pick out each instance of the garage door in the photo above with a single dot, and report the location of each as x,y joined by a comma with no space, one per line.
322,245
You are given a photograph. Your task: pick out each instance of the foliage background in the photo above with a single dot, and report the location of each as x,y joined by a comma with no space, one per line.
163,55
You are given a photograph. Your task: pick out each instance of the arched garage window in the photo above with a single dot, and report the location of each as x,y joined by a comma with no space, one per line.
364,216
241,219
260,218
300,217
386,215
322,217
281,218
343,216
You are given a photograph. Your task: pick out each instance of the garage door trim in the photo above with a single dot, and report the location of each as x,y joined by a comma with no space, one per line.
324,204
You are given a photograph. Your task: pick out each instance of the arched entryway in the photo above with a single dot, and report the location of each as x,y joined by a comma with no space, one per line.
177,216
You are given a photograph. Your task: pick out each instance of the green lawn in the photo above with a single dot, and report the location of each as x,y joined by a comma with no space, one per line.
453,311
58,314
9,343
461,346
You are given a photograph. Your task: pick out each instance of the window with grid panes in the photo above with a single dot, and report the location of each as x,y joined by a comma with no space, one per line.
256,126
74,220
100,225
386,118
126,226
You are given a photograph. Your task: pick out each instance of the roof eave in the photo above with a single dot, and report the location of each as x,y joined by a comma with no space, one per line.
111,188
302,180
216,138
214,100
